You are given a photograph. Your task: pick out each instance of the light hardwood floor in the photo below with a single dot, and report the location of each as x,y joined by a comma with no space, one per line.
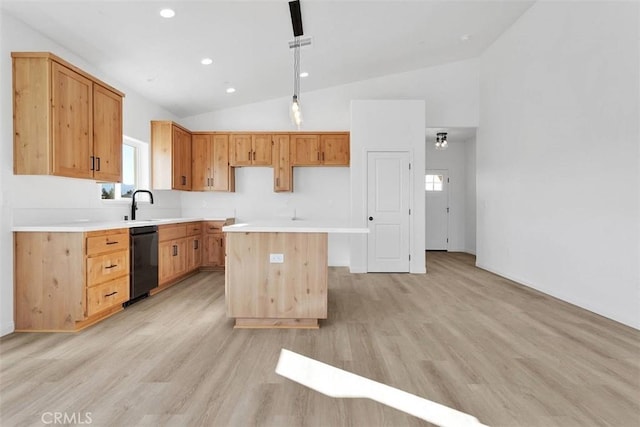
459,336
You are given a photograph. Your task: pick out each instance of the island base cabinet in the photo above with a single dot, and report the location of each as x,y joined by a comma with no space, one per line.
287,294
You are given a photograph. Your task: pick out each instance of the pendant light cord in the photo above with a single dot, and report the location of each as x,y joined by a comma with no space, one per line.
296,68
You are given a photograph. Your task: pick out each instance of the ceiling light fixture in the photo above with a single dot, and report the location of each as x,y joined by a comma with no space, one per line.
304,74
441,141
296,22
231,89
167,13
206,61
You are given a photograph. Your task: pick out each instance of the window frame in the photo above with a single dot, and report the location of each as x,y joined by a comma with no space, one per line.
141,171
433,183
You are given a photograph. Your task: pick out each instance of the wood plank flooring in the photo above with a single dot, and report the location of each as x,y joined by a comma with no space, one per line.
459,335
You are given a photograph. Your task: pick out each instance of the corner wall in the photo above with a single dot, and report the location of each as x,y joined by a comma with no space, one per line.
388,125
558,180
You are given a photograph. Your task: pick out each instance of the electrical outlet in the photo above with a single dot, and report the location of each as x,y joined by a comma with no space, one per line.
276,258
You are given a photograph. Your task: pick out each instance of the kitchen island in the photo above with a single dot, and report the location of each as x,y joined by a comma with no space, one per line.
276,272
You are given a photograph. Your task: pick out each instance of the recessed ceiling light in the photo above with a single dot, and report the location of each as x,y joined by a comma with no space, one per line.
304,74
206,61
231,90
167,13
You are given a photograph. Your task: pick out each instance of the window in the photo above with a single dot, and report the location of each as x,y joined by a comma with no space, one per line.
433,182
135,171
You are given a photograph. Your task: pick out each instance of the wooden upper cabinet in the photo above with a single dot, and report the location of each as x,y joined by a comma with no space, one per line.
250,149
323,149
71,103
107,134
182,159
223,178
305,150
210,163
241,150
66,122
282,170
170,156
201,162
261,149
334,149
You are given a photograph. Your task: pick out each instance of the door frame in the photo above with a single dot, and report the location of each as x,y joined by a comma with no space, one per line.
445,173
365,199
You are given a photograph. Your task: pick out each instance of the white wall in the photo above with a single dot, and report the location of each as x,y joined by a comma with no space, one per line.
45,199
453,160
558,162
450,94
380,125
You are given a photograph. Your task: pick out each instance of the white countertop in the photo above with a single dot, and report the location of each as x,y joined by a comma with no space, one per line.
291,226
82,226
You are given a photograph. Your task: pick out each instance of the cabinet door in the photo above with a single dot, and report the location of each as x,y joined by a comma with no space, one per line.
201,173
305,150
72,123
214,250
180,257
181,159
107,134
241,150
262,150
221,176
194,252
219,251
166,251
282,171
335,150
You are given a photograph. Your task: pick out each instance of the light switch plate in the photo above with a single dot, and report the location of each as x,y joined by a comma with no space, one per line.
276,258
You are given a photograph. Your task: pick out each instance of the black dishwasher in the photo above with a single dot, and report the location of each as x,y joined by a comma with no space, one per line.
144,262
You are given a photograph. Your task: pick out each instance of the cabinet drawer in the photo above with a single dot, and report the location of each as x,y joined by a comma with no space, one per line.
107,242
214,226
107,295
106,267
194,228
170,232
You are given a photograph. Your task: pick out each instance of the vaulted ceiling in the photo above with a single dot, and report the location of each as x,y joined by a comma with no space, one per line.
248,42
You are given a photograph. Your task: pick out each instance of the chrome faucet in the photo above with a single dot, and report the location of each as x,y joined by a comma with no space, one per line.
134,205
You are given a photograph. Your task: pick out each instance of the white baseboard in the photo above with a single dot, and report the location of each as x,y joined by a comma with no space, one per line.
633,323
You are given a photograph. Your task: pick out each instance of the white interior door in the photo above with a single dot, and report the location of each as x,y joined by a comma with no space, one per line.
437,209
388,203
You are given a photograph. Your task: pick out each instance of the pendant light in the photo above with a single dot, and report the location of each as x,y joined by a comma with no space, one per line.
295,111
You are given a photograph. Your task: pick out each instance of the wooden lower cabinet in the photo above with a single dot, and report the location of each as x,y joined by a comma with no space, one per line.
172,262
194,252
68,281
179,252
214,245
214,250
106,295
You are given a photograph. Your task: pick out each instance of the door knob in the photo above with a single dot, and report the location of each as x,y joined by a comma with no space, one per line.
370,218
